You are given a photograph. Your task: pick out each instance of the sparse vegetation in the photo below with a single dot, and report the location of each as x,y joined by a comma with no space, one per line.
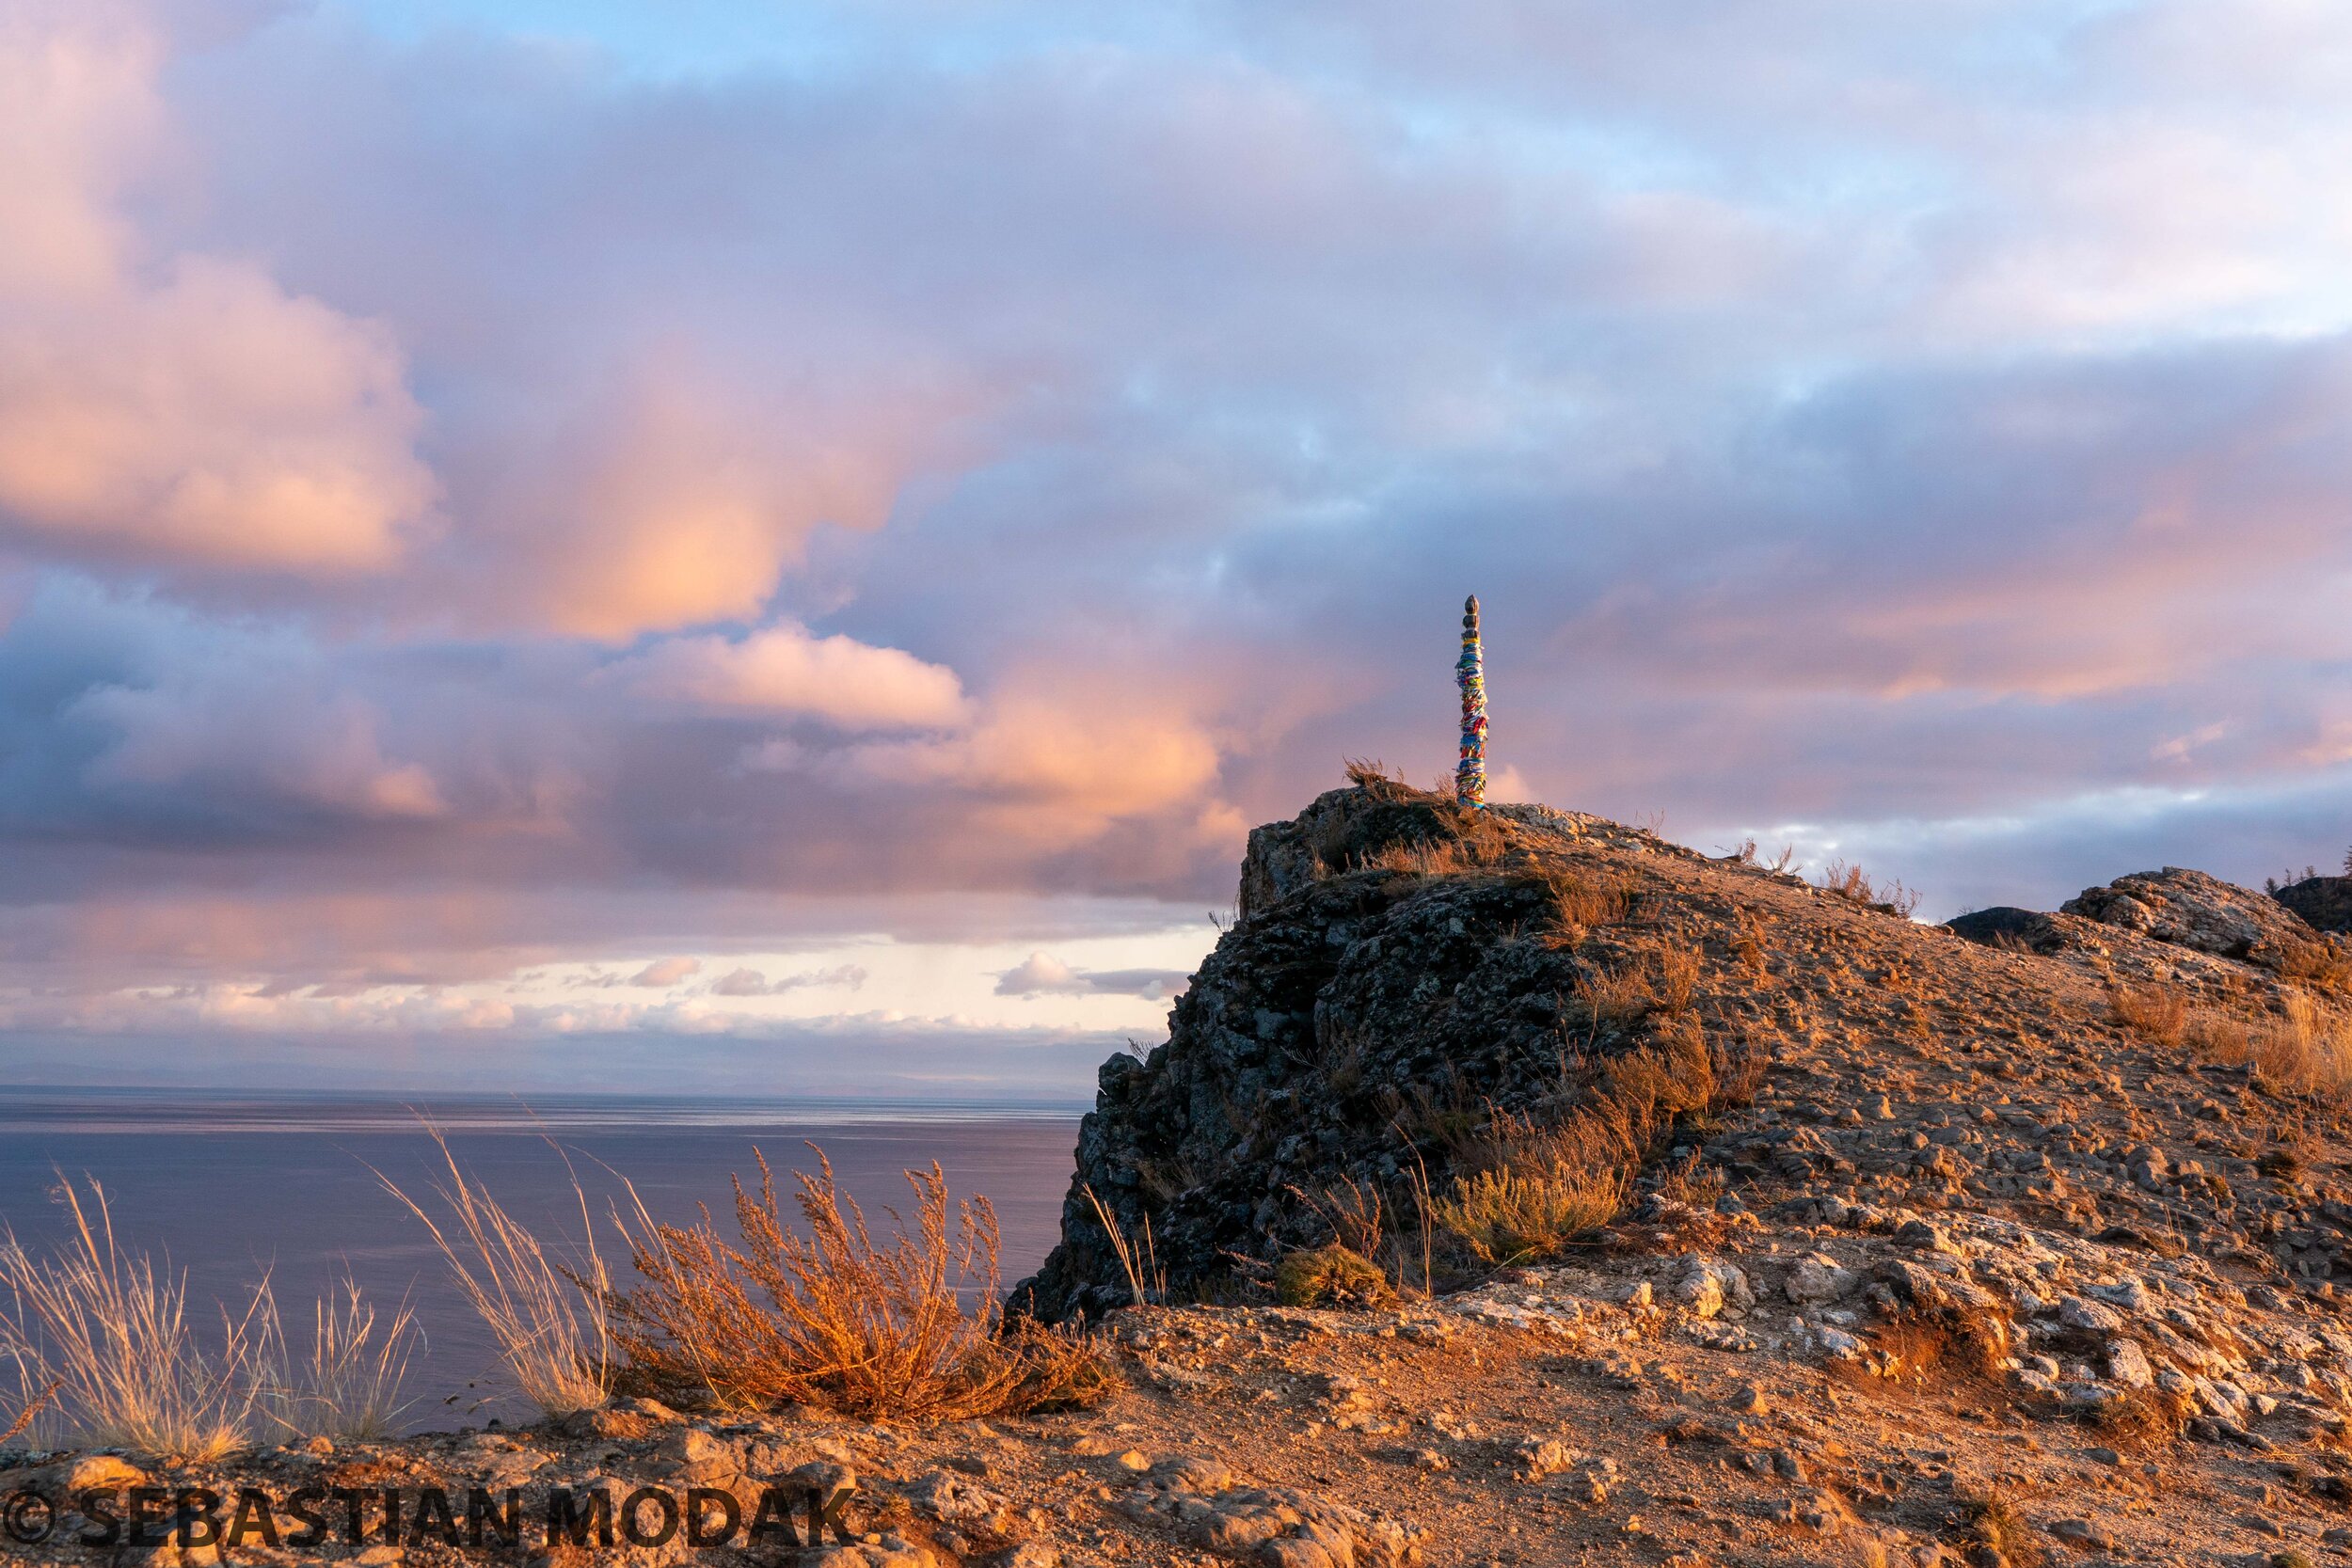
1923,1345
1850,882
546,1314
2304,1050
107,1339
2158,1014
1996,1525
2140,1421
905,1329
108,1351
1333,1275
1541,1183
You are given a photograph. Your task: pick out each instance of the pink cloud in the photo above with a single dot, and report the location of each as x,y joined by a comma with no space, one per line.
784,671
206,416
666,972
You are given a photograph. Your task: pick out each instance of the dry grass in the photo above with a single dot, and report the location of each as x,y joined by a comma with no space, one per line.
2157,1014
834,1319
2304,1050
1655,980
1356,1213
1447,857
105,1338
2317,965
1332,1276
2140,1421
1620,997
1996,1526
1850,882
1526,1210
546,1315
1678,969
1541,1184
1583,899
1139,1258
348,1387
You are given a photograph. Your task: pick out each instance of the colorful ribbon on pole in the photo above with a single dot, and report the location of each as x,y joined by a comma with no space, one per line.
1470,674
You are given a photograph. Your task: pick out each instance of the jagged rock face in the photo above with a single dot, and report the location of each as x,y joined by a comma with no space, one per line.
1338,1029
2191,909
2325,903
1332,835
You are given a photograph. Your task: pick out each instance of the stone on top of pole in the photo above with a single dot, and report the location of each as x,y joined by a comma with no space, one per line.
1470,674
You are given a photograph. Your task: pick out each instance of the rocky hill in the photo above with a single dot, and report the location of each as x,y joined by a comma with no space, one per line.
2035,1223
1403,978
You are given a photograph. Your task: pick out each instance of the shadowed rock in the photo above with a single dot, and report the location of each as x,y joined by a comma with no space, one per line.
2324,902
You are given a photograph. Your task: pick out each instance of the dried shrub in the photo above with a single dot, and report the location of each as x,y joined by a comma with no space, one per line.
1996,1525
2140,1421
906,1329
1529,1211
2158,1014
1331,1275
1063,1366
1852,883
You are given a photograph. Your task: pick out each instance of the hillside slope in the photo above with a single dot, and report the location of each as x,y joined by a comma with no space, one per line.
1403,976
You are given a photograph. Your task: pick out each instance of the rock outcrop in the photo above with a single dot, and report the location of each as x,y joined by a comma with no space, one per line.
2191,909
2325,903
1365,1010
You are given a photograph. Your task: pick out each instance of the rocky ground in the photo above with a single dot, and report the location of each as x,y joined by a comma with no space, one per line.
1976,1265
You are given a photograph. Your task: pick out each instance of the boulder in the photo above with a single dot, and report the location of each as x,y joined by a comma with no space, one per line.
2006,926
2324,903
2205,914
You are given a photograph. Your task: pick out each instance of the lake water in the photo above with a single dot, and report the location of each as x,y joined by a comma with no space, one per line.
233,1187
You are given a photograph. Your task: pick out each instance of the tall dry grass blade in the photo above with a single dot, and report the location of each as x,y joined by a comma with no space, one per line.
548,1318
348,1387
109,1334
1132,1258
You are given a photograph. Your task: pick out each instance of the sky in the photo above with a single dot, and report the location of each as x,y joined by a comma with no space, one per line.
742,546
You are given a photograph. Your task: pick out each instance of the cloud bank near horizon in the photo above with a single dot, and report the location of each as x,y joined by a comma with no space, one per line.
480,493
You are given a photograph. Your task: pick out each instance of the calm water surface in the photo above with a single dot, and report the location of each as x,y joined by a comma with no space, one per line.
231,1188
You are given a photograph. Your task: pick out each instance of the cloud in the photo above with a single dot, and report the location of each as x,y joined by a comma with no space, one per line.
1055,763
1042,974
750,982
472,502
785,671
666,972
189,411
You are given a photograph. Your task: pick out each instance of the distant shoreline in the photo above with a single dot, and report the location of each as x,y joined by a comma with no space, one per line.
83,1108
